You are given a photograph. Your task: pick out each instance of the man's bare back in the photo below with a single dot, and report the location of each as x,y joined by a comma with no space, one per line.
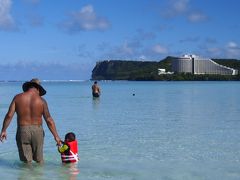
29,108
96,90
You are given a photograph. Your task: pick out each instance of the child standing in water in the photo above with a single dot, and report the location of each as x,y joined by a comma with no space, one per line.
69,149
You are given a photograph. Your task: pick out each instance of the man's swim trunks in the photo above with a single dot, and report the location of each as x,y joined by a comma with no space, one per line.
95,94
30,143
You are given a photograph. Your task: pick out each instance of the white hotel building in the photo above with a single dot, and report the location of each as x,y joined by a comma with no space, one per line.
196,65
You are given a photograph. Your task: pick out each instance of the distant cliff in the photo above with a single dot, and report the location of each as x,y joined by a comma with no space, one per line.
128,70
148,70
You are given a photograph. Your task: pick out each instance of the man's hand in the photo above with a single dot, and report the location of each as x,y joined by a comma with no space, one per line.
3,136
59,141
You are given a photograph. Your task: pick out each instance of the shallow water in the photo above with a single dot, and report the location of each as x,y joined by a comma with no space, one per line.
167,130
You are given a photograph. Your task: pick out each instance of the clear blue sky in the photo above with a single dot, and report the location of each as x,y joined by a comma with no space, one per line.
63,39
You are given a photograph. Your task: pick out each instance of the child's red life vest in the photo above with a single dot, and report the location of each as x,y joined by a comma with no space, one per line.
70,155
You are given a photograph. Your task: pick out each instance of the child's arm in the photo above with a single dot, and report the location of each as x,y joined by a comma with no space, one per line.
63,148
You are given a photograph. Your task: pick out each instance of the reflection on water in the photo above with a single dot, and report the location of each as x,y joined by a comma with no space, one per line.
15,169
95,102
48,171
30,171
71,170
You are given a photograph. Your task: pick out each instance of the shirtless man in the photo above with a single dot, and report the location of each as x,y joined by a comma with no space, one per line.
96,90
30,107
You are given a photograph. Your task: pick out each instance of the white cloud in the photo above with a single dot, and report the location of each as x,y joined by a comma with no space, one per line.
196,17
180,6
232,44
23,70
233,50
214,52
183,8
6,20
159,49
142,57
176,7
133,49
126,49
85,20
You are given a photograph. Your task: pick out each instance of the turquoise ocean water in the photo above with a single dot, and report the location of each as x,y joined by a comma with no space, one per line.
167,130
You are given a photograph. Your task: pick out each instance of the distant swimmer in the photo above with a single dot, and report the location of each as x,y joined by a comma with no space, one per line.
96,90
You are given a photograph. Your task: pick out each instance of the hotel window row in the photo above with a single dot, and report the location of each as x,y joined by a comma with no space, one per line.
196,65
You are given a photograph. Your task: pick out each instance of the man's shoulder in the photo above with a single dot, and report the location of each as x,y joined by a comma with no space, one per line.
19,95
24,95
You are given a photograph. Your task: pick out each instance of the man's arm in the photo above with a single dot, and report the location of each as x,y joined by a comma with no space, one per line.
50,123
7,120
